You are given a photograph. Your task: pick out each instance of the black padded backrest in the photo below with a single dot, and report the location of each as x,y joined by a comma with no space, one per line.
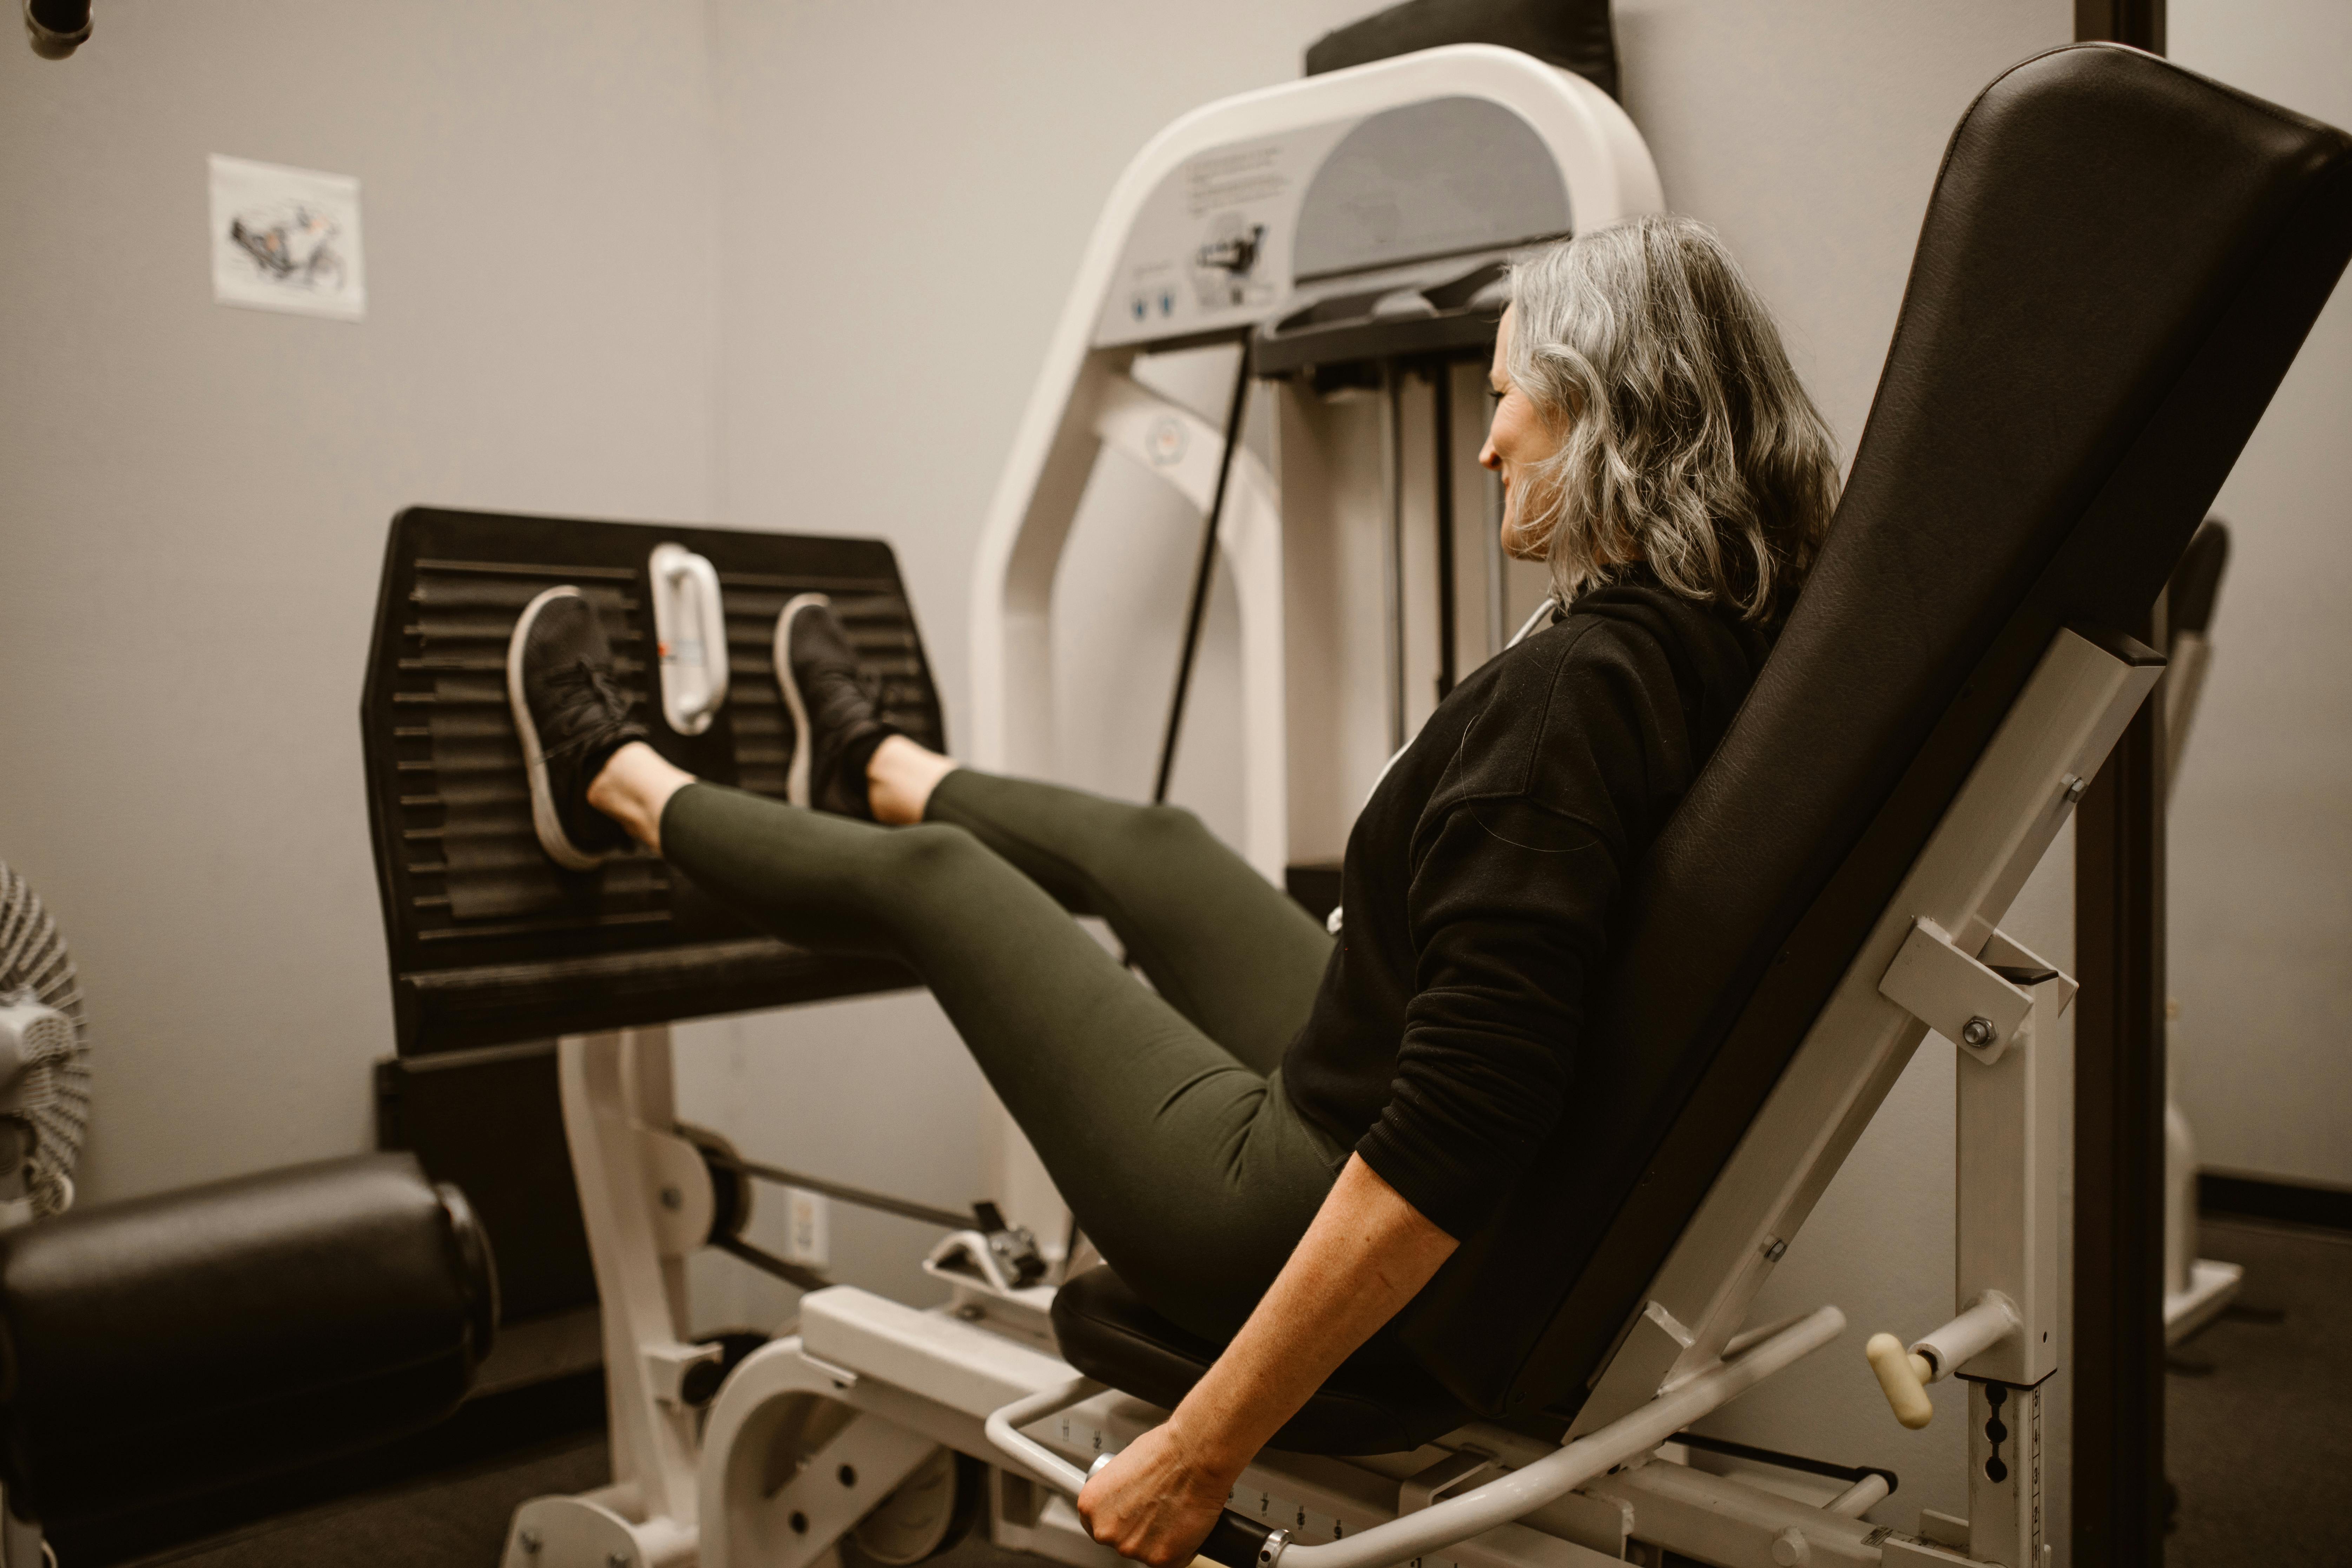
2119,263
489,942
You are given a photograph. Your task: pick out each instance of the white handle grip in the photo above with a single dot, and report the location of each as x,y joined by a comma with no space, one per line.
1904,1377
691,629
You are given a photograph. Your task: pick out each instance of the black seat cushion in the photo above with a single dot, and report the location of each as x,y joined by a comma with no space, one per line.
1378,1402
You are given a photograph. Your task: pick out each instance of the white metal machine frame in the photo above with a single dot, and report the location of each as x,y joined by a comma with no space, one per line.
2196,1289
1084,399
814,1432
1087,400
847,1420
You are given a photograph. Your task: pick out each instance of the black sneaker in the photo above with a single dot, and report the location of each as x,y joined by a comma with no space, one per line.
573,716
833,701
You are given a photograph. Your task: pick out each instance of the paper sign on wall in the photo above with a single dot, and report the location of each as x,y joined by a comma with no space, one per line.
287,239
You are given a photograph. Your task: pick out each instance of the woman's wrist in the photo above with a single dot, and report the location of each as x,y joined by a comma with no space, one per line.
1208,1443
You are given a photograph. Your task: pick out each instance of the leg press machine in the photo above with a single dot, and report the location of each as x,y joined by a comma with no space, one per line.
2119,262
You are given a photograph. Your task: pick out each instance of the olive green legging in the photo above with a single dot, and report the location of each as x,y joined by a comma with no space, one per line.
1159,1112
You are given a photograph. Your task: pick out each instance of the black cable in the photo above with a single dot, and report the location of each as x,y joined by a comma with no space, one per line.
904,1207
768,1262
1200,577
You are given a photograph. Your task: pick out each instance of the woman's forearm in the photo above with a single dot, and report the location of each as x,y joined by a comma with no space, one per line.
1367,1254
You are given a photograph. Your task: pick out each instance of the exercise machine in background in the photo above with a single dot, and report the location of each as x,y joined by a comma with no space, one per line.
1347,235
44,1058
2196,1289
170,1345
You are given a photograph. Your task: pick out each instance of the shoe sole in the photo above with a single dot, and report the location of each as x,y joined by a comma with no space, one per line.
544,820
796,772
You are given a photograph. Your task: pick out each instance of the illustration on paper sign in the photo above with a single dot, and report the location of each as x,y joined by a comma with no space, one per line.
293,243
287,239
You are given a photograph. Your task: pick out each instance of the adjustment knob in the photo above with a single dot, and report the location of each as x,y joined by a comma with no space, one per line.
1902,1376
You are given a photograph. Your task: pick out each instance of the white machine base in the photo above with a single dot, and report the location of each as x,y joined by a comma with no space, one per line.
594,1528
2212,1286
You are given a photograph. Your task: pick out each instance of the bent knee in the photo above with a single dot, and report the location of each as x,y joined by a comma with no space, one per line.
1163,830
929,850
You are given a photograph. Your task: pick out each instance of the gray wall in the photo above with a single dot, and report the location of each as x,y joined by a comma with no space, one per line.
196,496
2261,815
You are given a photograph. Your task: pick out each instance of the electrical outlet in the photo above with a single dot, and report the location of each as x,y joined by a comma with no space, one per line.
808,1228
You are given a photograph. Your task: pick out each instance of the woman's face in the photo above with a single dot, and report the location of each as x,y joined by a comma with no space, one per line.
1519,438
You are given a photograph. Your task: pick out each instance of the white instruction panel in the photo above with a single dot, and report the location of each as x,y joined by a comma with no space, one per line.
287,239
1233,234
1210,246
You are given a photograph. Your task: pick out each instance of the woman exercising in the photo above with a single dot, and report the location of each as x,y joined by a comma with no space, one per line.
1279,1141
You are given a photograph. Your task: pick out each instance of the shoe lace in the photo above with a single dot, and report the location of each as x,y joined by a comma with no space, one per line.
593,681
865,683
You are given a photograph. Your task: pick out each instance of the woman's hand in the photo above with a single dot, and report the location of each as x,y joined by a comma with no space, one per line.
1156,1501
1366,1253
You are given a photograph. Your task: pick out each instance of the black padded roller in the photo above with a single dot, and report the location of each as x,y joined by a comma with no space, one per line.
166,1346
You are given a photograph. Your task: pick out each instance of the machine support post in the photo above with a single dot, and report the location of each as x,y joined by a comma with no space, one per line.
2119,922
2006,1523
2014,1151
2117,1486
616,1087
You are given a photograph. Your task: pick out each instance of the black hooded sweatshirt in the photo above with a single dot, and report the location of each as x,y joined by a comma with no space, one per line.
1482,890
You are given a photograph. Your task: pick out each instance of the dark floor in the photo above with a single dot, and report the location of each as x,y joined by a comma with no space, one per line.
456,1520
2259,1434
2258,1417
452,1520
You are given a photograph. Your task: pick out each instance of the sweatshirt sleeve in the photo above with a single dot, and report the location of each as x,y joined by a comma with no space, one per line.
1516,872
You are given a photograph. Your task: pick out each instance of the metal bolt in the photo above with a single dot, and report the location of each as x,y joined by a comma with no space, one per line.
672,1198
1978,1031
2076,788
530,1542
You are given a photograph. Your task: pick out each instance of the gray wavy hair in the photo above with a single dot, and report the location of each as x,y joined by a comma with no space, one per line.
1689,445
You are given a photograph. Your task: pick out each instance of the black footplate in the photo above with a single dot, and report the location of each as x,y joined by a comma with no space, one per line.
491,942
